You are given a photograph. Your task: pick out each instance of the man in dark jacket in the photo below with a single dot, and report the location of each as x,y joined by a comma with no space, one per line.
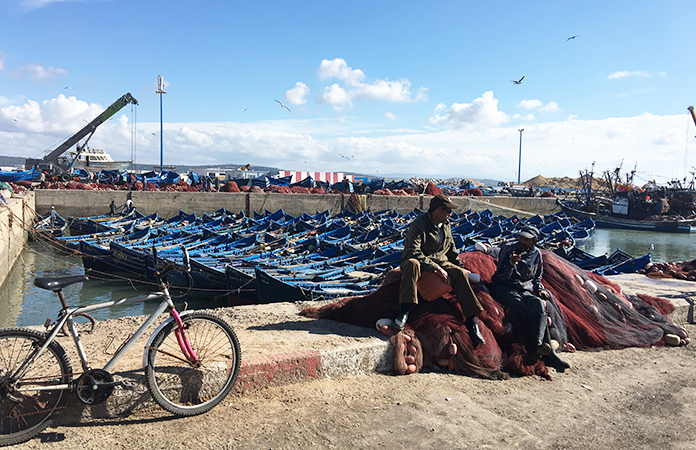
428,246
517,285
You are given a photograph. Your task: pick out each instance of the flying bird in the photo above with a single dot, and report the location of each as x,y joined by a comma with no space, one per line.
518,81
283,106
68,87
344,156
244,109
572,37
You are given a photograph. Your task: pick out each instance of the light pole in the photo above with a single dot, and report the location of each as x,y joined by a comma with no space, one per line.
519,164
160,91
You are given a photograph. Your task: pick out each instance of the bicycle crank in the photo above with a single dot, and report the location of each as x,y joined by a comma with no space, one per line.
95,386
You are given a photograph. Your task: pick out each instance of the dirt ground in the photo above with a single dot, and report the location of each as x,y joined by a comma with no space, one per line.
624,399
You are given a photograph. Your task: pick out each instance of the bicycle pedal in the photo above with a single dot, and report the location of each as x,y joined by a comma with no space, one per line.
127,385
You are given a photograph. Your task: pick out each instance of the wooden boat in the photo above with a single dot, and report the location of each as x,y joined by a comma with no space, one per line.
655,223
51,225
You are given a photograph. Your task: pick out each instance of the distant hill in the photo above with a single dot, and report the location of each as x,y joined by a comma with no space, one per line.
12,161
18,161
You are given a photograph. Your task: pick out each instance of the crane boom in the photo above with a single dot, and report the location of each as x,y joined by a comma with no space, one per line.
89,129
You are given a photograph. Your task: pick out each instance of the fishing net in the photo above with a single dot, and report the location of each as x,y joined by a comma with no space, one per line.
586,311
680,270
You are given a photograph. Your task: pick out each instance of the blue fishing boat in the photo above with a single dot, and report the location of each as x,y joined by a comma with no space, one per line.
51,225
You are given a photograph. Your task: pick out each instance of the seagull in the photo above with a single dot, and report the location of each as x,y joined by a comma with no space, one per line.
15,120
572,37
244,109
68,87
343,156
283,106
517,82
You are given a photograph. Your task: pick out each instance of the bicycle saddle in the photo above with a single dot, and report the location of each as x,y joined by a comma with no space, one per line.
56,284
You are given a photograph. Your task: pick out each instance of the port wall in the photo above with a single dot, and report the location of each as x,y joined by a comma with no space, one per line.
78,203
16,218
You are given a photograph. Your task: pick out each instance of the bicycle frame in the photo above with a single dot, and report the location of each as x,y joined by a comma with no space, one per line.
66,314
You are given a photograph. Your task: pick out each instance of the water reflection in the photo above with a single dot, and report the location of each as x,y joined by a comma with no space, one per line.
665,247
22,303
14,289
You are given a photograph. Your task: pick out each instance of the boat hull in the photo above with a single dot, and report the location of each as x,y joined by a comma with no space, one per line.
603,221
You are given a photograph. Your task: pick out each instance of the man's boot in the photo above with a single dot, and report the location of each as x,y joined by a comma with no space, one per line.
553,360
541,343
402,317
474,331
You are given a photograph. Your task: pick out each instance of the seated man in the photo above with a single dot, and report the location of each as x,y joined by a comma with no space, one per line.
517,285
428,246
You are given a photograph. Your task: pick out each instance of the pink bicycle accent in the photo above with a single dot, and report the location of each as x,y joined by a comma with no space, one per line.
181,337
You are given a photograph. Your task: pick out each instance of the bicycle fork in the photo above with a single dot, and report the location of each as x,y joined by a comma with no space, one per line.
182,338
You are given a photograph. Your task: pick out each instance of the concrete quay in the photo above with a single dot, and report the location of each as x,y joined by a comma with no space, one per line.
281,347
16,219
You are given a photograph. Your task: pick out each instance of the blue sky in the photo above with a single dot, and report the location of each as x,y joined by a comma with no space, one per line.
377,87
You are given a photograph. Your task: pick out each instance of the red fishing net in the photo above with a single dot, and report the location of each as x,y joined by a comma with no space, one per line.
587,311
685,270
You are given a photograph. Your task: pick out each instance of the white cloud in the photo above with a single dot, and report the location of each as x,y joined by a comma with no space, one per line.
422,95
482,112
3,57
57,116
39,74
384,90
527,117
390,91
530,104
626,73
538,104
297,95
488,150
550,107
189,138
335,96
338,68
390,116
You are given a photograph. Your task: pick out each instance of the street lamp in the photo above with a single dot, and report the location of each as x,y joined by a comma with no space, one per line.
519,164
160,91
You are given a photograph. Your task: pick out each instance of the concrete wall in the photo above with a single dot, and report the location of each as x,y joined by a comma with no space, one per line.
537,205
16,218
78,203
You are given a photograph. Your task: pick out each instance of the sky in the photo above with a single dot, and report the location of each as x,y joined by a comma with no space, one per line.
383,88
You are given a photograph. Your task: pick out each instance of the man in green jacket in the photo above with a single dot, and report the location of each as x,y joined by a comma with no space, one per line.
429,247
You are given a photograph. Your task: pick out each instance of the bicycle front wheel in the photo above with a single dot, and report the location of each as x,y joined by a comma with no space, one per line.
25,404
185,388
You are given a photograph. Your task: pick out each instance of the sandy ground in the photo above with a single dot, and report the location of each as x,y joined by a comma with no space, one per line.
624,399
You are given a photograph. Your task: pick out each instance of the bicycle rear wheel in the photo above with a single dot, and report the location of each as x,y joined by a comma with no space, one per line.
25,411
187,389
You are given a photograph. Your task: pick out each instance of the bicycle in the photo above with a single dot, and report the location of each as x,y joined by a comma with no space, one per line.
191,362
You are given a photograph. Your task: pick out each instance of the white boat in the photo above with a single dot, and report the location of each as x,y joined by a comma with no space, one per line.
95,159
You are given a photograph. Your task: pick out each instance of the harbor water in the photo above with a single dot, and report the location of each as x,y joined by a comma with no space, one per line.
22,304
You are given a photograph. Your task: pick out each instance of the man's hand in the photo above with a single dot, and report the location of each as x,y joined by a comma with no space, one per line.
443,274
544,294
515,258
